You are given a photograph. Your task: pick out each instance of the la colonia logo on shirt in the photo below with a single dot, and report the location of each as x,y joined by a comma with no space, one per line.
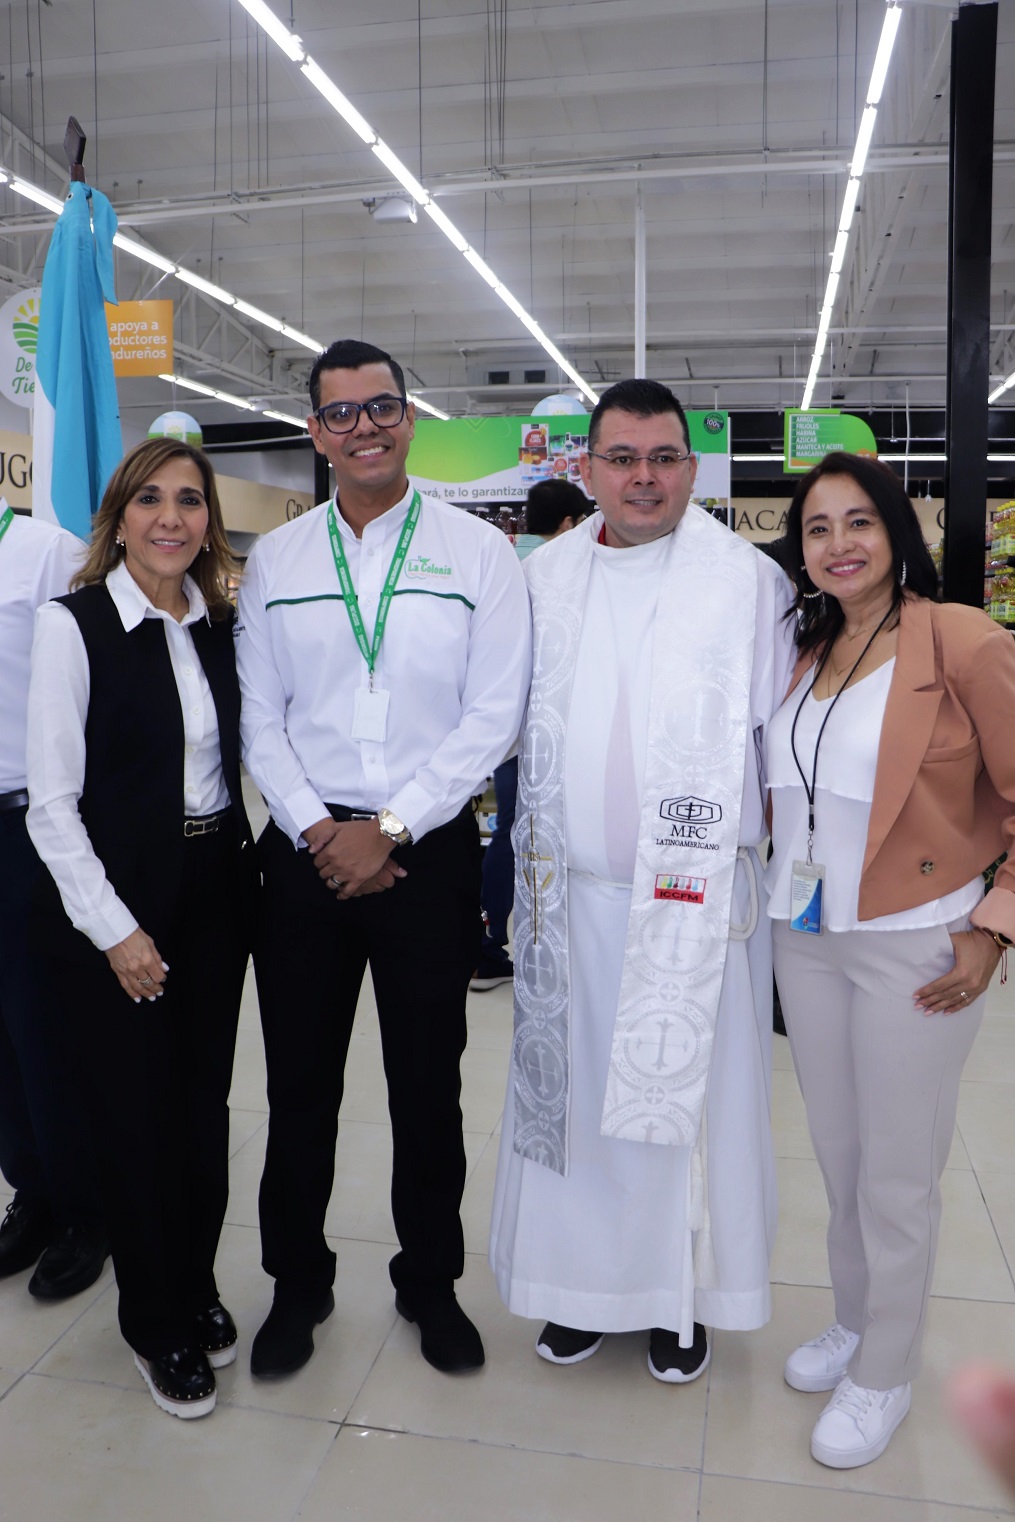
422,565
689,819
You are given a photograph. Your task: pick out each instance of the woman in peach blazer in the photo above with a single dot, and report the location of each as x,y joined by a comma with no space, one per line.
892,770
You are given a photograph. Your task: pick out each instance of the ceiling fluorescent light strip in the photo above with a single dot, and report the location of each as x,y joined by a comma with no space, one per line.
879,73
283,417
203,390
40,197
293,48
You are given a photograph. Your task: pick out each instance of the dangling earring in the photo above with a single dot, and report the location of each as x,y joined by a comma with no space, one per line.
119,541
902,578
206,548
809,596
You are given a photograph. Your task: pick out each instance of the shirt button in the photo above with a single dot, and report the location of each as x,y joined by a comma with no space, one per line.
195,710
188,750
188,671
926,867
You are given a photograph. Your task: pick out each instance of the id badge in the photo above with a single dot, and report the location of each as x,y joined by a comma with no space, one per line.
370,714
807,888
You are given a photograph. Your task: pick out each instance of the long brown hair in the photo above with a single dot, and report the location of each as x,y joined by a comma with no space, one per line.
209,570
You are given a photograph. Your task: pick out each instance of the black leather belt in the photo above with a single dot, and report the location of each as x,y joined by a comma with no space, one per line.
342,814
13,801
206,824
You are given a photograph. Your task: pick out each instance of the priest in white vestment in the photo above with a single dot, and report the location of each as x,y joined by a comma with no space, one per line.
636,1184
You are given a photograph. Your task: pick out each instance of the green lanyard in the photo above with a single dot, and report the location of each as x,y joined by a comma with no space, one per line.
371,651
5,521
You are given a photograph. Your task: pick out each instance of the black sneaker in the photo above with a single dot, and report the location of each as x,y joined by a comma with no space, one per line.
215,1335
675,1365
491,975
180,1383
564,1344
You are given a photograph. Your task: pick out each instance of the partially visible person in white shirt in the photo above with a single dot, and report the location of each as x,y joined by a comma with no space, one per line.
384,658
54,1219
142,929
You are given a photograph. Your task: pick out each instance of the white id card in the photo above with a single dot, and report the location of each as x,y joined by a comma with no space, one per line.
807,887
370,714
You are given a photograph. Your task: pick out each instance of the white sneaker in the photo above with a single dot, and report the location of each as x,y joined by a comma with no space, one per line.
821,1363
857,1424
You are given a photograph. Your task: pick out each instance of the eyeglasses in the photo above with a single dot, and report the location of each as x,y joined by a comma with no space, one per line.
343,417
662,460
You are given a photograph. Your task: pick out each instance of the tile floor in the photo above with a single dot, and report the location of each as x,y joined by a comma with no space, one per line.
370,1432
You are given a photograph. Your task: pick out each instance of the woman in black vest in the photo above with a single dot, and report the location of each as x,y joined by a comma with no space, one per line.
136,809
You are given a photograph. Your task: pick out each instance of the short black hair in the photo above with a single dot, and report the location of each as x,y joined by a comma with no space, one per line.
550,502
821,618
643,398
351,354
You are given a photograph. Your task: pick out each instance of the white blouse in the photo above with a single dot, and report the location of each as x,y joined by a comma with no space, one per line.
847,763
57,710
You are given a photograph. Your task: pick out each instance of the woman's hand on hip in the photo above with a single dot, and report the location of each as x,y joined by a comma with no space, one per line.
138,966
976,957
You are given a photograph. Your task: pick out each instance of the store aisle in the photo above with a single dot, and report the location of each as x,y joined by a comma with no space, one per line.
369,1431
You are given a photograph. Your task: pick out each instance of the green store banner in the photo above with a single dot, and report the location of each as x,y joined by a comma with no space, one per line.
809,436
497,459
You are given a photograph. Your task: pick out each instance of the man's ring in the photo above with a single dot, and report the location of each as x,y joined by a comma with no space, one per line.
144,982
337,882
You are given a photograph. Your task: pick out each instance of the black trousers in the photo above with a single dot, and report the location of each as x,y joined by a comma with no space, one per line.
420,939
44,1150
157,1079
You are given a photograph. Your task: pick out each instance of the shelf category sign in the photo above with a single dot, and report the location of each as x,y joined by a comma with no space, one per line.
809,436
497,459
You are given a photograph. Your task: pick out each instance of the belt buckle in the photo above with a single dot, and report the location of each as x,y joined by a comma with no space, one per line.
192,827
361,814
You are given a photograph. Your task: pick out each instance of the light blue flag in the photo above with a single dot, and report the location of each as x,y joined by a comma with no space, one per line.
76,427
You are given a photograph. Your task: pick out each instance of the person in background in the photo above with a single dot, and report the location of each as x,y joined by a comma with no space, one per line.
55,1218
143,926
892,771
384,660
551,508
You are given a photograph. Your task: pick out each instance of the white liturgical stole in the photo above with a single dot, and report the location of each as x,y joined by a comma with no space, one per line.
679,923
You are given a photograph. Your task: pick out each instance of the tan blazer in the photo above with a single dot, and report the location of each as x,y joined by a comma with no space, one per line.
944,789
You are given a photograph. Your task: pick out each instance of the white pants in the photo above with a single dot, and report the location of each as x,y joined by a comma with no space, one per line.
880,1080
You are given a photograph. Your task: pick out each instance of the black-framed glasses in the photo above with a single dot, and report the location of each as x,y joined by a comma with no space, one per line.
343,417
662,459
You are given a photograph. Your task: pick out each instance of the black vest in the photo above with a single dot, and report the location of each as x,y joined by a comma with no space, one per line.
132,800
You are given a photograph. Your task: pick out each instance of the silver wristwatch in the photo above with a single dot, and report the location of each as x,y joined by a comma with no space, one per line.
391,826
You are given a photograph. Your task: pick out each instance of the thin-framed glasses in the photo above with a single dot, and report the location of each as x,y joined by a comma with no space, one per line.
662,459
343,417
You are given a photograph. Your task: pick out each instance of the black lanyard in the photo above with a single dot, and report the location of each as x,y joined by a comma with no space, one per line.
811,788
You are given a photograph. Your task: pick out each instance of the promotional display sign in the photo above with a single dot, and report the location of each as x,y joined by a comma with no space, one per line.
141,337
497,459
809,436
19,333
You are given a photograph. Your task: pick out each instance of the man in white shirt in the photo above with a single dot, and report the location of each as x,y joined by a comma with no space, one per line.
635,1187
384,654
55,1215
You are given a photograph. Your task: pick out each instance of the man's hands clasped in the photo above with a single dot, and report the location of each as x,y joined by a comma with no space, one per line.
352,857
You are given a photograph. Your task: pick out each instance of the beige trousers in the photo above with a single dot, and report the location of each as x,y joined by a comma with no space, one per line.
880,1080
